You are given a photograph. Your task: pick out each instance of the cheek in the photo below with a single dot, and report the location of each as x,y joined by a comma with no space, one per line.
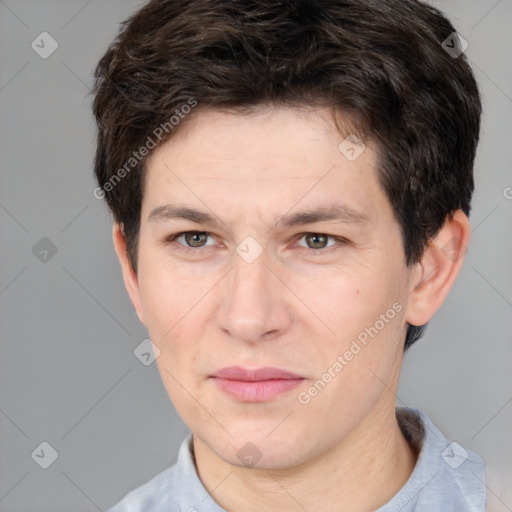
347,300
364,312
174,315
174,306
170,299
356,366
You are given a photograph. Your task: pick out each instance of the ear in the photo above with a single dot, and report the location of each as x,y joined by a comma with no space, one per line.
434,275
130,278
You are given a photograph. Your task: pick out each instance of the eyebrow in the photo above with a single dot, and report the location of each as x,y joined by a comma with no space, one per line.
334,212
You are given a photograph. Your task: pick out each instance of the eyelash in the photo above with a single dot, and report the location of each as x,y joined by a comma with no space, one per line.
325,250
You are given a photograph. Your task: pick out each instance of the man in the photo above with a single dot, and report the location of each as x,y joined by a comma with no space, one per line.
290,184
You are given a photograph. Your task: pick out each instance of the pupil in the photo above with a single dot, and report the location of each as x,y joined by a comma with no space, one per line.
194,236
317,237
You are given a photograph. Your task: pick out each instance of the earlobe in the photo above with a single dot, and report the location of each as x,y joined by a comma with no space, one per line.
434,275
130,277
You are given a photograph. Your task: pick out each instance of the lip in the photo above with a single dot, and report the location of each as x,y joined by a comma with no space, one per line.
257,385
259,374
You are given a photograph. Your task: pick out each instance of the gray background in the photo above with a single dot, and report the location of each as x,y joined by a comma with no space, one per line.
68,375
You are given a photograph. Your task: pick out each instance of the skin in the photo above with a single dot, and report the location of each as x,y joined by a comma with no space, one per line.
297,306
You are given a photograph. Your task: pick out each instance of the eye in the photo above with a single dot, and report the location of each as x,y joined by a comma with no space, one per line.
319,241
193,239
196,240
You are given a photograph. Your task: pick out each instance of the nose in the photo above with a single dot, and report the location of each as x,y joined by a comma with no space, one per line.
255,305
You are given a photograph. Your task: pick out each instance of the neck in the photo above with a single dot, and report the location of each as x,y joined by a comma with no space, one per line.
362,472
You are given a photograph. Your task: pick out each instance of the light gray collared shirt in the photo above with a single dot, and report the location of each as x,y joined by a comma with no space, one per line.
447,478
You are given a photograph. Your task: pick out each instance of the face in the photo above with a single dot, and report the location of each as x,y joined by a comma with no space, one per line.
293,261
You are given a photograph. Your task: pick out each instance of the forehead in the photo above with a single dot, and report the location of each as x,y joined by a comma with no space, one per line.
271,161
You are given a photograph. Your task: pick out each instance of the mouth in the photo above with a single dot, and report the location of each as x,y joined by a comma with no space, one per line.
260,385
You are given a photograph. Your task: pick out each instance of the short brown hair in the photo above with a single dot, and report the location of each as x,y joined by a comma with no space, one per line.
382,62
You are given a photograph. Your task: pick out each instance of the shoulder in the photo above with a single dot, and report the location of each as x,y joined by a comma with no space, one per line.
447,476
152,496
158,493
176,489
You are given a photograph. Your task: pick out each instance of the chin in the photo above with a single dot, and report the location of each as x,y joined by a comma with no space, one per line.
250,448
